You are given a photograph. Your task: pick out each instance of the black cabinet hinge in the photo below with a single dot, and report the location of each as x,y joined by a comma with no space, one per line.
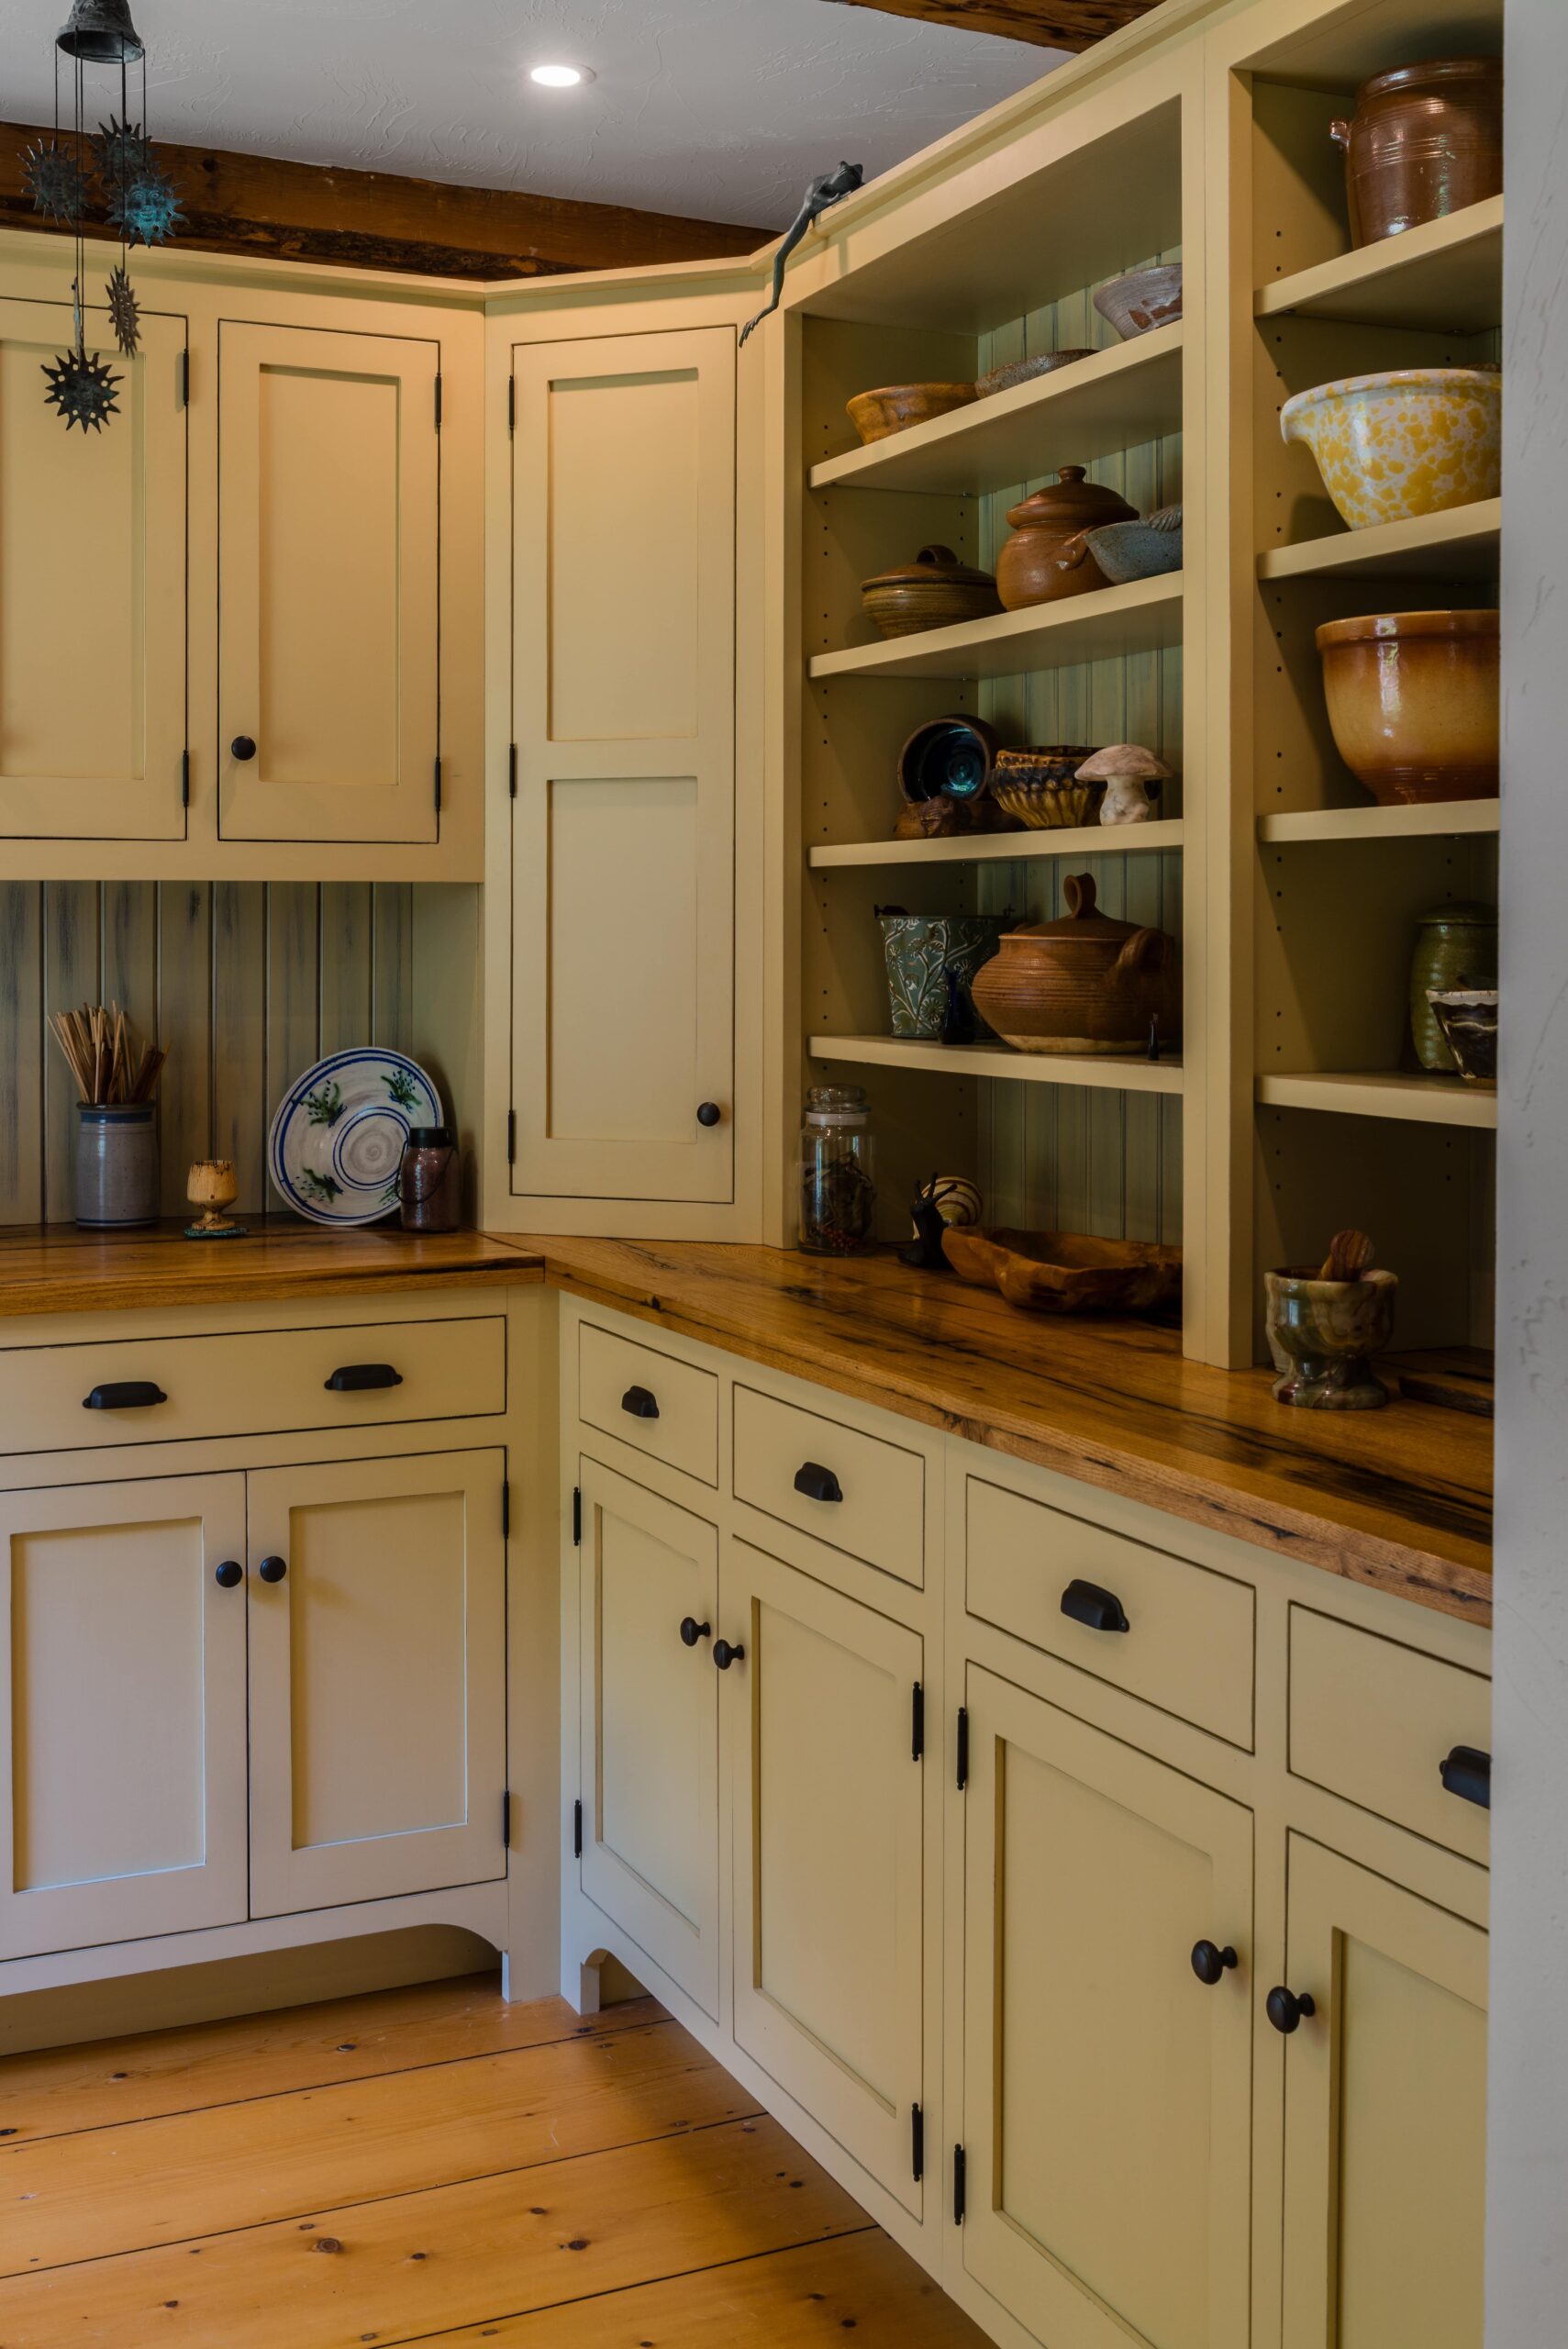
963,1745
185,379
507,1821
916,2143
511,1137
512,770
958,2169
184,778
511,403
917,1722
577,1515
577,1830
438,399
438,782
506,1509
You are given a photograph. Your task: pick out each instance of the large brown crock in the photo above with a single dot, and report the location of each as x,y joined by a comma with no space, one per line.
1027,571
1425,140
1086,983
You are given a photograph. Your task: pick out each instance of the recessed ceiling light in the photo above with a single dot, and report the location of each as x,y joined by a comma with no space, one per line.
559,77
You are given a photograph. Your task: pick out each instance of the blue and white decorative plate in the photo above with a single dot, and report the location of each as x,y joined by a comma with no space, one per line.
336,1138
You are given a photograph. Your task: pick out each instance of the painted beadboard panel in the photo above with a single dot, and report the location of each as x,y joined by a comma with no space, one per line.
246,982
1067,1158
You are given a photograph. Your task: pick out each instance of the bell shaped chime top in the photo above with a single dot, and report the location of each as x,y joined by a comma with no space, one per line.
100,31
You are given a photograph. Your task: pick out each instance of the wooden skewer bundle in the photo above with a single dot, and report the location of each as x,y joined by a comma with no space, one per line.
107,1056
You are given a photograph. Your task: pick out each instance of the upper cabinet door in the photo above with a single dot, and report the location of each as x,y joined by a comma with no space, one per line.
624,681
91,589
329,601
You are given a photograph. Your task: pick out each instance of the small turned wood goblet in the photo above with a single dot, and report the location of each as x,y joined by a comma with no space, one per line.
211,1184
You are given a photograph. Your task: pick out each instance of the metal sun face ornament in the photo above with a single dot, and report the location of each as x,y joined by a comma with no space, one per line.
55,180
82,389
123,315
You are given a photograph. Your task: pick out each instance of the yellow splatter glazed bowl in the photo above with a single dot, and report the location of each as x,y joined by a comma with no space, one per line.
1417,441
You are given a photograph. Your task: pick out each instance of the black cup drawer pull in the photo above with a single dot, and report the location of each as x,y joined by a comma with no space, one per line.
818,1484
355,1377
1099,1610
1467,1773
639,1403
124,1395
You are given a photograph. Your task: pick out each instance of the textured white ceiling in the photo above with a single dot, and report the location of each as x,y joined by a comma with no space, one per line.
722,109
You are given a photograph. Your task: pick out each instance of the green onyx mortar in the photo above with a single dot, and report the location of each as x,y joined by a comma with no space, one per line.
1322,1335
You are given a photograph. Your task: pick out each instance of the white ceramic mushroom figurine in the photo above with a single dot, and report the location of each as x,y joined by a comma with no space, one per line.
1133,776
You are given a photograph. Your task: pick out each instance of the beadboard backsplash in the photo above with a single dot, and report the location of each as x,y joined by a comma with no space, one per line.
247,982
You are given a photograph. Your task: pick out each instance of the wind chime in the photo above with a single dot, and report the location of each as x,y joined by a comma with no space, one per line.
69,173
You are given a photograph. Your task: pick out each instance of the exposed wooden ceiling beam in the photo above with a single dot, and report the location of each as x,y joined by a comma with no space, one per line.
1048,24
255,204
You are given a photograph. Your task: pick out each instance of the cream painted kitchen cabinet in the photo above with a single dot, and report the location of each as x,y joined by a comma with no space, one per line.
328,585
92,596
378,1679
1385,2112
623,720
647,1621
826,1755
123,1775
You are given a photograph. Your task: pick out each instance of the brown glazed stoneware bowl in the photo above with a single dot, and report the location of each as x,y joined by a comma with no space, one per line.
895,406
1413,703
1067,1272
1027,569
1425,140
1085,983
934,591
1040,785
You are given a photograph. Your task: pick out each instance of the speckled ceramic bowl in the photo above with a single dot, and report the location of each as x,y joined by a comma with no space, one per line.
1142,300
1025,370
1417,441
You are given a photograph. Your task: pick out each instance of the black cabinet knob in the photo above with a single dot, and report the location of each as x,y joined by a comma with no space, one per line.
1284,2009
1099,1610
1210,1962
639,1403
124,1395
243,747
272,1569
692,1631
356,1378
723,1655
818,1484
1467,1773
709,1113
231,1573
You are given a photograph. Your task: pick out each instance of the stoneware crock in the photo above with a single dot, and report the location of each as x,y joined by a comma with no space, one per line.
893,407
1415,440
934,591
1456,946
1142,300
1425,140
1321,1334
1413,703
1086,983
1027,569
929,956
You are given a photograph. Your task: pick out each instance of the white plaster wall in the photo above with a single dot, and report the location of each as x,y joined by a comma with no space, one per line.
1528,2166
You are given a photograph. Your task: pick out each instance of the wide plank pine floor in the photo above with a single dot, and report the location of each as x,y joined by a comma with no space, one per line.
429,2166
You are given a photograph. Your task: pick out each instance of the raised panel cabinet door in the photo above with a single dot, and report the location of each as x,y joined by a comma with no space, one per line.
329,586
91,587
1106,2087
648,1598
1385,2114
829,1786
122,1741
378,1694
623,826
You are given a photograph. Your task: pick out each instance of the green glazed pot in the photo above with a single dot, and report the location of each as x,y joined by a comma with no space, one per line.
921,951
1322,1334
1455,946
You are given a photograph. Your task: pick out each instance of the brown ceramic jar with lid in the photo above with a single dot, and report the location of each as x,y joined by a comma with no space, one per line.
1425,140
1085,983
1027,569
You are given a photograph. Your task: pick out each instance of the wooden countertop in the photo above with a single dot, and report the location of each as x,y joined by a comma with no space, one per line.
55,1268
1400,1499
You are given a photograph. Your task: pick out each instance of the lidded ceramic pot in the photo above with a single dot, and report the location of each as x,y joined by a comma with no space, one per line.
1413,703
1456,946
934,591
1027,570
1425,140
1413,441
1085,983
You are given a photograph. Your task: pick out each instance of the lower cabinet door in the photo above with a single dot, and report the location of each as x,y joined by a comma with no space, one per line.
650,1725
122,1778
1106,2087
828,1807
378,1679
1385,2114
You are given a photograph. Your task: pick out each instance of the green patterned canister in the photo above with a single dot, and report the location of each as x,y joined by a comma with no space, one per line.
922,950
1456,946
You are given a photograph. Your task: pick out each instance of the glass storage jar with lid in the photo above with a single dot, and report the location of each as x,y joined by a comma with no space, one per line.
838,1189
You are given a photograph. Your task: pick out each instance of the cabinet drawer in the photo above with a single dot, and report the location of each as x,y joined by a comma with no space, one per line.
1376,1722
855,1491
665,1408
253,1382
1187,1642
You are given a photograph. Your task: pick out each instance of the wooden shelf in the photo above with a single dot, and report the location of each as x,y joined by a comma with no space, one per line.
1119,399
1131,1074
1143,618
1461,544
1371,1093
1435,819
1446,275
1090,840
